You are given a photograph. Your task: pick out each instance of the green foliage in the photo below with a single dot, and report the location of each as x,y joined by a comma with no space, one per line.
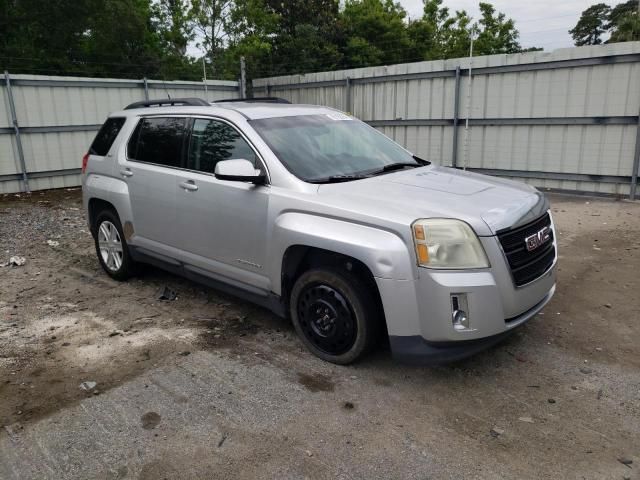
136,38
592,25
376,32
621,22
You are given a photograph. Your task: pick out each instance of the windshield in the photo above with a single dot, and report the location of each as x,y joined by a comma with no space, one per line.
331,147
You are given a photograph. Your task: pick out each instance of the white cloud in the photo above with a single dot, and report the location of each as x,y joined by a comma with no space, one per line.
541,23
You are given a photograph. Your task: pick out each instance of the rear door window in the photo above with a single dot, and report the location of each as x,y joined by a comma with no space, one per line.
158,140
106,136
212,141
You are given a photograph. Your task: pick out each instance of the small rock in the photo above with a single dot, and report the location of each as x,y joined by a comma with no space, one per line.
14,261
496,432
88,386
185,353
551,400
166,294
608,305
114,333
53,243
526,419
309,453
586,370
348,406
625,461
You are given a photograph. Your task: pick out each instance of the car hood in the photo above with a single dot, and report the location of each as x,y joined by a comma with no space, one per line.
488,204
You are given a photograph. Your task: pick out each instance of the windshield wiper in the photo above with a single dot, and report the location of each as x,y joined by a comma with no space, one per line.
395,166
338,178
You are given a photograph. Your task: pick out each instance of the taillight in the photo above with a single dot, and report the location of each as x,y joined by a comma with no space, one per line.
85,160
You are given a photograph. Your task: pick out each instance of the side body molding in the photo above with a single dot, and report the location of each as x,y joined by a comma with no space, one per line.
384,252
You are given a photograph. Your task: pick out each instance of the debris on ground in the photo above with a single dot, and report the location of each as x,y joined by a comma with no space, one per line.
166,294
625,461
14,261
88,386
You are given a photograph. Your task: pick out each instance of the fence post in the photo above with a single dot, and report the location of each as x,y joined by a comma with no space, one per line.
636,163
243,78
347,95
16,129
146,88
456,106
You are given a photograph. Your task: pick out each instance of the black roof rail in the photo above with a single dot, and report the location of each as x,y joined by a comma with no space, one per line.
254,100
187,102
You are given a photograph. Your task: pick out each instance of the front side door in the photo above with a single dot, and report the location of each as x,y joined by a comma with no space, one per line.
222,224
154,153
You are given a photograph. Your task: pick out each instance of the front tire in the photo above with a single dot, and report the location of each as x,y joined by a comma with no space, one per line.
335,314
111,246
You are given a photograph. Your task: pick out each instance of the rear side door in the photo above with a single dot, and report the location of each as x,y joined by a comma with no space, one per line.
222,224
154,155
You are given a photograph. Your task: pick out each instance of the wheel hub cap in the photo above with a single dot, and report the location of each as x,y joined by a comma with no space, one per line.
110,246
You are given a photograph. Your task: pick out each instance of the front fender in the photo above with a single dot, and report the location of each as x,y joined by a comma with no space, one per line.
382,251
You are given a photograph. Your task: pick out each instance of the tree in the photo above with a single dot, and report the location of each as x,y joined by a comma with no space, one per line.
624,22
592,25
376,32
621,22
439,35
497,34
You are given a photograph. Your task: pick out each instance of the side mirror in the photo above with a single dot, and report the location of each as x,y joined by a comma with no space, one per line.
239,170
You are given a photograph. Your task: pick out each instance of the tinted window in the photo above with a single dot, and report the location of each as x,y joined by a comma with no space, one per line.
158,140
212,141
106,136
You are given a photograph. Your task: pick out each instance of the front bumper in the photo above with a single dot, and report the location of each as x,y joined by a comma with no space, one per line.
414,349
419,311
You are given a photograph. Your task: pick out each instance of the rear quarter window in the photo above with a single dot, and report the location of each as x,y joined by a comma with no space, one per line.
106,136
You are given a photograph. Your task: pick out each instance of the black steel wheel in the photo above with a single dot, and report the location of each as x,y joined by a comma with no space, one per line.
335,314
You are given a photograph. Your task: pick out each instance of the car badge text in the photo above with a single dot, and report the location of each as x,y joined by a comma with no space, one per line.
534,241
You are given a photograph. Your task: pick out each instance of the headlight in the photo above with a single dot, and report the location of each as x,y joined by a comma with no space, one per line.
448,244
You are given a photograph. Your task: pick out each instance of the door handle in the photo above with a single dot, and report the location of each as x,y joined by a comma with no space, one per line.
126,173
189,186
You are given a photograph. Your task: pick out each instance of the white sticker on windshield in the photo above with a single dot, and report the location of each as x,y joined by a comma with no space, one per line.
338,116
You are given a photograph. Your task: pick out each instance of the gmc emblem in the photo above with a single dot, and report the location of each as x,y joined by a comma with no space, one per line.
534,241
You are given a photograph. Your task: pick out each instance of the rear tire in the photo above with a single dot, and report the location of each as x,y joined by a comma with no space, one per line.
335,314
111,246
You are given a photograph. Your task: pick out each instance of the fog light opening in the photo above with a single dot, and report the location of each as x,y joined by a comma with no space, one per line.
459,312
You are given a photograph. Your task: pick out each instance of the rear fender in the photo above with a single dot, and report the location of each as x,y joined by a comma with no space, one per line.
114,191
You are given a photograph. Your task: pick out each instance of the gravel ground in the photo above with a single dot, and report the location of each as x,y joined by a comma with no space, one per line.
208,386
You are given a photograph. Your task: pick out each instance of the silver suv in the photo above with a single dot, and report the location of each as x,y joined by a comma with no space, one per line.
322,219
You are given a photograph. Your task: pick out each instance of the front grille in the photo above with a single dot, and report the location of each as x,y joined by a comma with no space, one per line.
528,265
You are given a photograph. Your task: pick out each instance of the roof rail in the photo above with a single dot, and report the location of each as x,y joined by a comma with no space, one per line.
189,102
254,100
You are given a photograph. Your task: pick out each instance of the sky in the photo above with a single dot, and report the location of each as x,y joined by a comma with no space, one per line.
541,23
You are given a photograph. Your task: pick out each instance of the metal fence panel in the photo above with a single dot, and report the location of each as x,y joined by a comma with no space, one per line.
566,119
58,118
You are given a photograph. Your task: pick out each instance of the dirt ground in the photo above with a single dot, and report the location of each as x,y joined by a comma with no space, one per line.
208,386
